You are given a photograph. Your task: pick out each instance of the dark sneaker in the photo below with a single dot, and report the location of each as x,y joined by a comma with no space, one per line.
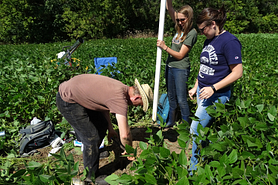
100,180
103,154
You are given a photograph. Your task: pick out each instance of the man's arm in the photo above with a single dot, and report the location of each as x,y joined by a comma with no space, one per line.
125,134
111,131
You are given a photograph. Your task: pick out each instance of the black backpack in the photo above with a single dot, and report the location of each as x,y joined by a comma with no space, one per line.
36,136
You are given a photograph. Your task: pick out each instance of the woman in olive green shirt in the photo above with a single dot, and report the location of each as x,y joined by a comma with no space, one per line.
178,63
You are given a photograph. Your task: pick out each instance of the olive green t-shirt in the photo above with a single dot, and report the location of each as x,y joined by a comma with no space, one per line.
190,40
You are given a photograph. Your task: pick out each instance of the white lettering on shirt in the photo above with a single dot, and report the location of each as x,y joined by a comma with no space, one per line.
212,60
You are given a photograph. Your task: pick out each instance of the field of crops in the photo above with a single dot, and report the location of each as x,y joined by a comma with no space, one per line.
30,80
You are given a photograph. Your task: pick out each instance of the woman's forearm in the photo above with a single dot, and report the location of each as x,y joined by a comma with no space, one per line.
232,77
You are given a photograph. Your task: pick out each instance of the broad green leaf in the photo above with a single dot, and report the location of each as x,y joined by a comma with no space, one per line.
141,171
224,161
272,178
270,117
208,172
237,172
273,111
145,154
201,130
164,152
214,164
246,155
261,126
238,103
143,145
241,182
45,178
233,156
184,137
259,143
183,181
221,171
220,107
33,164
224,128
156,149
124,179
182,143
183,158
274,169
260,107
247,103
159,134
150,161
244,121
129,149
213,138
268,147
19,173
219,146
181,172
150,179
251,144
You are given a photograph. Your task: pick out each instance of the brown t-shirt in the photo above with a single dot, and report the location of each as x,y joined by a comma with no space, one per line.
96,92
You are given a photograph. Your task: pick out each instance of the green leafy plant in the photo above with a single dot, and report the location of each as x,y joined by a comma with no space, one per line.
59,171
156,164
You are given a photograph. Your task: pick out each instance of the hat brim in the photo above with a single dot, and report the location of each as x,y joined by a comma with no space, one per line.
143,95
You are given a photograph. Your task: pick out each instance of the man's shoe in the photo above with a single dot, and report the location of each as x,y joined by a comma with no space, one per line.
103,154
100,180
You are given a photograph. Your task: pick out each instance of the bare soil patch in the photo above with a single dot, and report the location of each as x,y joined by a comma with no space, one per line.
115,163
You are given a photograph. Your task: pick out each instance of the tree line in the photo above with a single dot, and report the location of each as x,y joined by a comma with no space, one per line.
42,21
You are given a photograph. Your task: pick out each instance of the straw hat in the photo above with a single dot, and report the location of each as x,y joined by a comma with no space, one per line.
146,94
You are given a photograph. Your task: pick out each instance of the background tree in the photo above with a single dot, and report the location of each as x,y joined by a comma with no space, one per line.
41,21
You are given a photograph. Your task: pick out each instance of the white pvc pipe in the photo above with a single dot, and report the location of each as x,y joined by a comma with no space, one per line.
158,57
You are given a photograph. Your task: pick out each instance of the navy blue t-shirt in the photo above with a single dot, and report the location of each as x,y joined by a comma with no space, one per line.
217,54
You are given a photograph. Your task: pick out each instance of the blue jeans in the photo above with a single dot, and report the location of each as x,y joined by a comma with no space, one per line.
90,126
176,80
204,119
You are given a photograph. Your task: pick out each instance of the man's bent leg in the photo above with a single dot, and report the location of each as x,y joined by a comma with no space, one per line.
79,119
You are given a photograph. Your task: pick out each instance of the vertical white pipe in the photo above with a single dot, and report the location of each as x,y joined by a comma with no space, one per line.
158,57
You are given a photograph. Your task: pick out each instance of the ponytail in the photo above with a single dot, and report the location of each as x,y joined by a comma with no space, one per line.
210,14
221,18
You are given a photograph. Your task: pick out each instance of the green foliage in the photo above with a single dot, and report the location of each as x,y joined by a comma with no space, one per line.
55,172
30,21
156,164
242,149
58,20
243,145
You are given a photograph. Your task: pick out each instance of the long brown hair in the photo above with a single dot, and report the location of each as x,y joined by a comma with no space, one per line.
210,14
187,11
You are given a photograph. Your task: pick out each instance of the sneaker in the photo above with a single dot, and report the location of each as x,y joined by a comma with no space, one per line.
103,154
100,180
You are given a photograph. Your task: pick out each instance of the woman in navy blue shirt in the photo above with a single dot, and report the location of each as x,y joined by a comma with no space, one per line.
220,66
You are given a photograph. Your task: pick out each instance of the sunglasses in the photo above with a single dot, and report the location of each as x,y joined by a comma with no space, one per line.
180,20
202,30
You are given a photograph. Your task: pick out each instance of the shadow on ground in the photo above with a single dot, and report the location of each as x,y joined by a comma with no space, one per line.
138,134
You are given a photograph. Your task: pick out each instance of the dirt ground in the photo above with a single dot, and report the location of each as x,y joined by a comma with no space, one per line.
115,163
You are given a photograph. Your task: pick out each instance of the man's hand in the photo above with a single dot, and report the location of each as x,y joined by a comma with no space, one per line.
112,134
124,130
129,158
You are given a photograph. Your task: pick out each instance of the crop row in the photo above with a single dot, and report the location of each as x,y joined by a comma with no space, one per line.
29,80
